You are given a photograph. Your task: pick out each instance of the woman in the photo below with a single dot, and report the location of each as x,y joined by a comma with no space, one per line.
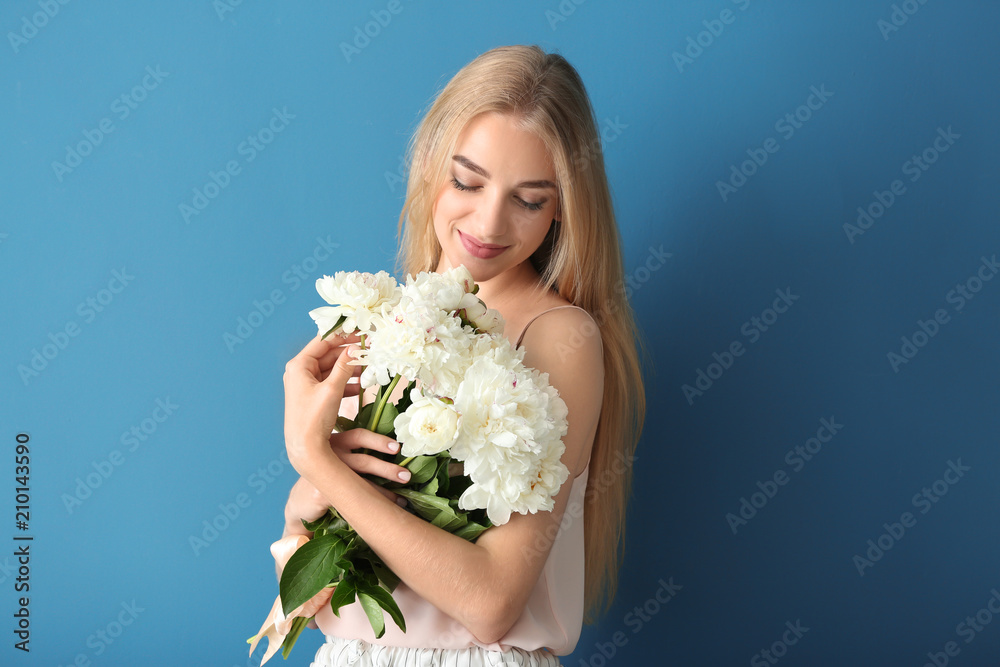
507,178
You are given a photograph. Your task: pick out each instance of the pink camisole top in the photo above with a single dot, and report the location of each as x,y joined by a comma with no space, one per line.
552,618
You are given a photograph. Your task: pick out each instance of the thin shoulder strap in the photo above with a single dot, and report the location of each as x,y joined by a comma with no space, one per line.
518,343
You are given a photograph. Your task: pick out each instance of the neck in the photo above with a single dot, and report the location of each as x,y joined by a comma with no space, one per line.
509,288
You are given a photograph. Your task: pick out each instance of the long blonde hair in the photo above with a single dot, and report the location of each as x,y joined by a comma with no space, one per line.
581,257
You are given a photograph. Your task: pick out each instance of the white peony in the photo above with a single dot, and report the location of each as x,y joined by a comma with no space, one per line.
502,420
437,288
511,422
358,297
427,427
462,276
420,337
490,322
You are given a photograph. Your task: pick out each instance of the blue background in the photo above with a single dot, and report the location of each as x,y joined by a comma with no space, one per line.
675,128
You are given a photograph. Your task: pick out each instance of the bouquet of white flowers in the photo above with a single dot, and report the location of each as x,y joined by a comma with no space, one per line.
468,400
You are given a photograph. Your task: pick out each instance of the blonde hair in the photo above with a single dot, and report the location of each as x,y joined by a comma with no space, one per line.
581,257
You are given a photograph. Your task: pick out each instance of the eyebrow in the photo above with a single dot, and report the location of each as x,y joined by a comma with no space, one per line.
472,166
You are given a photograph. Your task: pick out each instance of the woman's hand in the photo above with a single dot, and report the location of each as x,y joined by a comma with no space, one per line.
305,502
316,380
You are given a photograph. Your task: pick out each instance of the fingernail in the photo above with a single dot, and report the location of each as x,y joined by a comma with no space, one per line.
393,446
404,475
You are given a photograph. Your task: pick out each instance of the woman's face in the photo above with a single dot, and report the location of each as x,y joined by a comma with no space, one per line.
500,198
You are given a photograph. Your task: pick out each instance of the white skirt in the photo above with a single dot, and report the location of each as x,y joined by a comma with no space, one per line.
338,652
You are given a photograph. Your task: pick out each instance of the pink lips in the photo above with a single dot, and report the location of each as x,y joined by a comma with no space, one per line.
481,250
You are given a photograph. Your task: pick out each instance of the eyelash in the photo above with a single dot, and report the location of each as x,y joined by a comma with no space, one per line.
528,205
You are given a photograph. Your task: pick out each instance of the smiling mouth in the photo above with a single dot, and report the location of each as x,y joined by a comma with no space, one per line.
480,250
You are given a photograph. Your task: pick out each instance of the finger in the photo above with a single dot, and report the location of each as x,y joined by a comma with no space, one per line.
342,371
338,339
327,361
358,438
367,464
314,349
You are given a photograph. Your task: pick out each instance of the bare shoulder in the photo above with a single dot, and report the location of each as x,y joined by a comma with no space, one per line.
566,344
560,320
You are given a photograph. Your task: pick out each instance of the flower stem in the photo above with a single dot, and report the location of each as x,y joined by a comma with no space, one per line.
298,625
377,413
361,392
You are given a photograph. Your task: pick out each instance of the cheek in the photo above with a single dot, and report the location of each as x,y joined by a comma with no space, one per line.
446,207
540,231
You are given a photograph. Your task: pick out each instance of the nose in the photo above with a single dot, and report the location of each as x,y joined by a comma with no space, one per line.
490,218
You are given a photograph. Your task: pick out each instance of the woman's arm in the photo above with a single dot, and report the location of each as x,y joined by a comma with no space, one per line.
484,585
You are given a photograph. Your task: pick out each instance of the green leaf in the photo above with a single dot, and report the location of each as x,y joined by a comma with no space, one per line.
386,576
431,487
343,594
471,531
426,505
322,522
345,424
386,419
365,415
340,321
309,569
450,520
385,601
441,477
422,469
374,612
433,508
365,570
406,400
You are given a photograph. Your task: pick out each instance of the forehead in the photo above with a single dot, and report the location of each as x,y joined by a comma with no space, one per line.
504,150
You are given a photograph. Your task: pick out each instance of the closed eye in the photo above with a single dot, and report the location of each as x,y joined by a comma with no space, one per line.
531,206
